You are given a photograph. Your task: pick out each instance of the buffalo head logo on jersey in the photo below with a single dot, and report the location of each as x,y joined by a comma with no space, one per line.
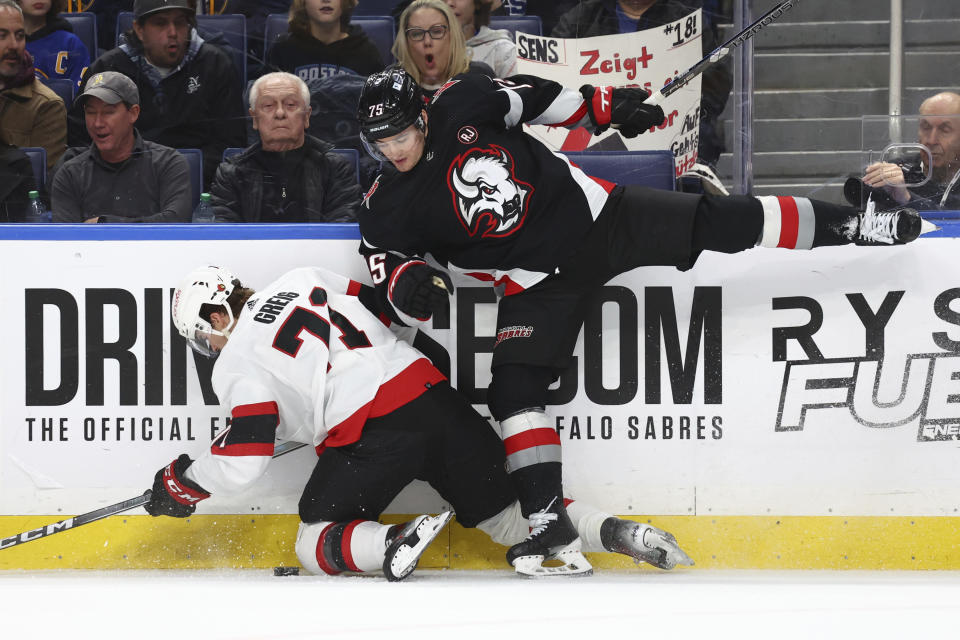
487,196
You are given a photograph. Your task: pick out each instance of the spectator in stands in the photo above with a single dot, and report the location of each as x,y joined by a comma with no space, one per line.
106,12
428,49
321,42
604,17
190,91
288,176
121,177
939,131
493,47
56,51
16,183
31,115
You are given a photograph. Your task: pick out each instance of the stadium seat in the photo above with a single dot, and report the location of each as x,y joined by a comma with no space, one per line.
124,23
233,26
195,160
351,155
63,87
524,24
38,159
84,25
380,29
375,7
646,168
275,25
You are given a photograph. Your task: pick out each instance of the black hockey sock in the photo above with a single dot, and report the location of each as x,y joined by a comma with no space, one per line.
537,485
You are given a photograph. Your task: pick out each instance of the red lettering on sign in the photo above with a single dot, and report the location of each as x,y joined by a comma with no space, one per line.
588,69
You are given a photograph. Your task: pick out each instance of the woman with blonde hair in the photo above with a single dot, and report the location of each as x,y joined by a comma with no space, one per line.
321,42
428,48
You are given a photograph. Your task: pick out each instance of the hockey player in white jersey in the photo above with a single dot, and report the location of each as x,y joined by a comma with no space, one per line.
305,360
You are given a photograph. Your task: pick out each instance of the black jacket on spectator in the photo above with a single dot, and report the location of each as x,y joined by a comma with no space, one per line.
198,106
309,184
309,58
16,183
599,18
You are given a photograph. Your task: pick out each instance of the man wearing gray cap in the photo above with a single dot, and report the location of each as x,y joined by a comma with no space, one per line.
190,92
121,177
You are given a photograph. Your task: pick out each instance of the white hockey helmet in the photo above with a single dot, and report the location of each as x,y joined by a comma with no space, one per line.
204,285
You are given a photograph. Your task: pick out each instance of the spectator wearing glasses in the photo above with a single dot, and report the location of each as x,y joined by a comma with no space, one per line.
56,51
428,49
322,43
899,184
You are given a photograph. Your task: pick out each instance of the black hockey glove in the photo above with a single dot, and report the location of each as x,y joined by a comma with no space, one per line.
174,495
625,109
419,290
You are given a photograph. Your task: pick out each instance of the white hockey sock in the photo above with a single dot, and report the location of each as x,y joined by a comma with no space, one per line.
587,519
510,527
507,527
788,222
334,547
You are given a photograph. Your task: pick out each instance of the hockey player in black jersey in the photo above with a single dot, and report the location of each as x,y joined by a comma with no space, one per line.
466,184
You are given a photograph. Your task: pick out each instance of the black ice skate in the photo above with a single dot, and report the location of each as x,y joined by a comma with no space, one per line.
405,550
552,537
642,542
897,226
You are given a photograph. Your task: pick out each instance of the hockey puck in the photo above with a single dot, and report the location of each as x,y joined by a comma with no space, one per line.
286,571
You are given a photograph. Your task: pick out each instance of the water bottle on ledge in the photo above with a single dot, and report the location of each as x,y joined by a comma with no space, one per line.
38,213
203,214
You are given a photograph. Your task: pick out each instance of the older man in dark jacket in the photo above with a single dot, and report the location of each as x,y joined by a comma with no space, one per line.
288,176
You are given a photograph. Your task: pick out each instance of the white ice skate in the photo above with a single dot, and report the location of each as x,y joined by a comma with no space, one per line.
643,542
552,537
404,552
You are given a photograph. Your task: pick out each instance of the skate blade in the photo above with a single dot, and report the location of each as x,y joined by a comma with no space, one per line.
660,549
403,555
575,565
927,227
671,554
674,556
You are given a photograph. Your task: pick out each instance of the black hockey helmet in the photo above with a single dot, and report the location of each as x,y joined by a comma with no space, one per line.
390,101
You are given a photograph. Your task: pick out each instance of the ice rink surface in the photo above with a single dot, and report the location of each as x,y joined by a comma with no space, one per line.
255,605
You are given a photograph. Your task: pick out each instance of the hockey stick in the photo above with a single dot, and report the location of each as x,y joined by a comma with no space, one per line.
92,516
721,52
